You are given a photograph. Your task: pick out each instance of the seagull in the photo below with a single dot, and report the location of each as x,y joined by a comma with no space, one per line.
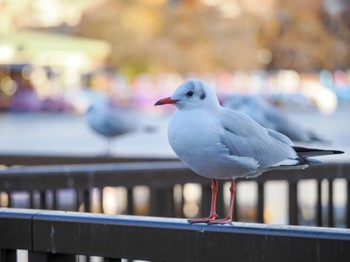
270,117
220,143
108,121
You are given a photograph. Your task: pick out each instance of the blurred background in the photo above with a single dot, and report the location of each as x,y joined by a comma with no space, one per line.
61,60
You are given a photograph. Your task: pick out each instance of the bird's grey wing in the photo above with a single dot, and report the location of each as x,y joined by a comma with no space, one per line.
245,138
287,126
282,138
118,121
276,118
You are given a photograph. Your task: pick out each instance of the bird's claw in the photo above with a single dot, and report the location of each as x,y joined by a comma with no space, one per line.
203,219
220,221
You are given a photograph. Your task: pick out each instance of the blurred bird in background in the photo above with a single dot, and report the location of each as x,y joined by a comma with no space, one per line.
105,118
270,117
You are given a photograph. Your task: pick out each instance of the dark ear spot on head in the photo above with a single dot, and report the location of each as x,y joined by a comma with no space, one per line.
203,95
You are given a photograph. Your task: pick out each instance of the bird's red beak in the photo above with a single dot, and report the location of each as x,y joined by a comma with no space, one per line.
164,101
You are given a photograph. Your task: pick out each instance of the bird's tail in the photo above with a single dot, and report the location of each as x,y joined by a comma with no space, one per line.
305,153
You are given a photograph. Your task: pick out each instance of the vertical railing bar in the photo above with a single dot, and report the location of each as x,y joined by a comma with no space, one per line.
130,201
42,199
205,200
220,207
77,199
162,202
8,255
37,256
182,212
176,204
319,204
153,202
236,207
31,199
330,204
106,259
179,206
101,199
293,203
86,200
348,205
170,200
9,199
260,202
54,199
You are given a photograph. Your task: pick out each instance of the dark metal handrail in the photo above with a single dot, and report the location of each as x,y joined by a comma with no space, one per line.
60,236
154,174
162,176
52,159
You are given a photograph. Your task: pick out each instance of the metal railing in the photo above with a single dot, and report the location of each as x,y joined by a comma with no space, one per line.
160,177
51,159
62,236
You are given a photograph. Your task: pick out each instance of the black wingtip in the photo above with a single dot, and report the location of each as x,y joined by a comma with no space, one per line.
308,152
337,152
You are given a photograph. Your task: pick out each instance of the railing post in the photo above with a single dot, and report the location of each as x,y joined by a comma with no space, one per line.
112,259
293,203
86,199
261,200
8,255
206,200
319,203
348,205
77,199
9,199
179,206
220,207
42,199
48,257
130,202
235,207
330,204
162,202
54,199
37,257
31,199
101,199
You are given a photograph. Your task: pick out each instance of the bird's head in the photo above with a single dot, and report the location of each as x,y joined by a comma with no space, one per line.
192,94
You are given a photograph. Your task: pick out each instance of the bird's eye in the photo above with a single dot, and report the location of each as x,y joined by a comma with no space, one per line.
189,93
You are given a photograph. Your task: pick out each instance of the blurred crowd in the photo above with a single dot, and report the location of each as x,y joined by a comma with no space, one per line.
26,89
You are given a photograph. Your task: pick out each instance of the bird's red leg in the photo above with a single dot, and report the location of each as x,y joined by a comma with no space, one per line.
212,215
228,219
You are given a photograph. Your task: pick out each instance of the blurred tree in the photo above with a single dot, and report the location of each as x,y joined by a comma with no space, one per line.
296,37
41,13
301,36
179,36
208,36
129,26
338,25
200,35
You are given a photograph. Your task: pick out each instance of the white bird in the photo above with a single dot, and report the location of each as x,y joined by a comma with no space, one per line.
109,121
220,143
270,117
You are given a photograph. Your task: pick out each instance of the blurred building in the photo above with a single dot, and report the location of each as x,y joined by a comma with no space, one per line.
45,64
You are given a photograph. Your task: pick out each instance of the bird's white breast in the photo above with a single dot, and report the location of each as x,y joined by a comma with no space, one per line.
191,133
194,136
